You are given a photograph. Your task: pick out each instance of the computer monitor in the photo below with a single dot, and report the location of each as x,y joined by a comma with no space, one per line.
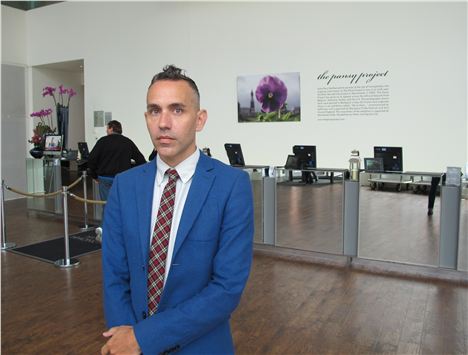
292,163
373,165
307,155
83,149
53,144
392,158
234,153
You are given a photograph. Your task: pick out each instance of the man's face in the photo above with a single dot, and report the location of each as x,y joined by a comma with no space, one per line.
173,117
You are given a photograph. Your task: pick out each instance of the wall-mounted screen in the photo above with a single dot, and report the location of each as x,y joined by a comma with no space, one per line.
234,153
392,158
307,155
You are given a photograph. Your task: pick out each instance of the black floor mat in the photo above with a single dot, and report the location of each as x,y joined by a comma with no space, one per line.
53,250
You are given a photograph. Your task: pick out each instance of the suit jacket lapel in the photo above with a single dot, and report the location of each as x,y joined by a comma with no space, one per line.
201,184
145,189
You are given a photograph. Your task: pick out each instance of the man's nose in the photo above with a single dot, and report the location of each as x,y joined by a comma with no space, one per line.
165,120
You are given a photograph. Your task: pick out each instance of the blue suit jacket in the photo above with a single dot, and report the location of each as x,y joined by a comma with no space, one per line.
210,263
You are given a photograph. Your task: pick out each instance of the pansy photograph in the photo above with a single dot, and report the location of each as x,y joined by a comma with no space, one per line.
269,98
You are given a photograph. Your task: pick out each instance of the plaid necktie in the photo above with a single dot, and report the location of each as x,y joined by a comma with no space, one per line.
160,242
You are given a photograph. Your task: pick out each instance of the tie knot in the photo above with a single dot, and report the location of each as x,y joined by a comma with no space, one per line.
172,174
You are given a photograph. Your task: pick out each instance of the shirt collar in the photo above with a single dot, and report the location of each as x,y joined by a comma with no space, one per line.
185,169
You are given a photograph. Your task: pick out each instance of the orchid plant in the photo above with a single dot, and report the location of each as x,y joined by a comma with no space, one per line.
43,127
62,93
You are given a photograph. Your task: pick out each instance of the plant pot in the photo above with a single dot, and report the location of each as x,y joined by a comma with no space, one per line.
37,152
62,124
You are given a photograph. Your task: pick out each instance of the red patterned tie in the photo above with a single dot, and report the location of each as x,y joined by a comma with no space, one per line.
160,242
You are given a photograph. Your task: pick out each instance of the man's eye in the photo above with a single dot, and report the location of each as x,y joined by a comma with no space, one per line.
154,111
178,110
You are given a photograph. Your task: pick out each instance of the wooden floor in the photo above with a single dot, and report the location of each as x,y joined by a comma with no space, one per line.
288,307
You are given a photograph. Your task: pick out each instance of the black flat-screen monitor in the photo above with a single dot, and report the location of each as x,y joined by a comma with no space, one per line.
374,165
307,155
83,149
392,158
234,153
292,163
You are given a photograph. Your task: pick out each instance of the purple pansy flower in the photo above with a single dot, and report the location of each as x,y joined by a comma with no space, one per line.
271,92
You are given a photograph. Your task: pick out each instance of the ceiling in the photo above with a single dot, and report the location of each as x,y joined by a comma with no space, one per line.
70,66
28,5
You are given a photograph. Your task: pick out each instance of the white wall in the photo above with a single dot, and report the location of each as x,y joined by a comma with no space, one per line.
13,36
423,45
13,132
14,98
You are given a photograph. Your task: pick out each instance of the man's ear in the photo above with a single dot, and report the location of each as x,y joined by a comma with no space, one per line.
202,116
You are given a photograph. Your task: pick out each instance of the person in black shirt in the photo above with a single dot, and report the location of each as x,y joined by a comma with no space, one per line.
152,155
432,195
111,155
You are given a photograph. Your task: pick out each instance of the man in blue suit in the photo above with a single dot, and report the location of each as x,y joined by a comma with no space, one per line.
208,253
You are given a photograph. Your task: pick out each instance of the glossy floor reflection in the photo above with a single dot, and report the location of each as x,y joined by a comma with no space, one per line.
393,226
287,307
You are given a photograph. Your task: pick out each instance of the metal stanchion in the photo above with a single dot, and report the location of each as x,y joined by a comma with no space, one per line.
85,227
5,245
67,262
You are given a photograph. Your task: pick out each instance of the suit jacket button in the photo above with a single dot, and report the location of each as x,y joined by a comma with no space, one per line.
143,314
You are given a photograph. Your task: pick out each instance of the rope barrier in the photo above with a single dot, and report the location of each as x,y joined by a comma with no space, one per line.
73,184
67,261
85,200
51,194
98,202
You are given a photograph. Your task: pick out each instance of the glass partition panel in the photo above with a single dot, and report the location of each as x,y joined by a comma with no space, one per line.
46,176
463,235
310,211
394,224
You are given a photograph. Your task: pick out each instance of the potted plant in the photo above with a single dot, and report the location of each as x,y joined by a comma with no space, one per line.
43,127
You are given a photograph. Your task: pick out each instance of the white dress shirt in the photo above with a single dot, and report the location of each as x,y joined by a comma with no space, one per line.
186,170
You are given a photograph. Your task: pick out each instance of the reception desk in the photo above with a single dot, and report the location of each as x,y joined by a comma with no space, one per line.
48,175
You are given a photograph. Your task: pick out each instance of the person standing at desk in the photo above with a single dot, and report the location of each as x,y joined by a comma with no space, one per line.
432,195
178,236
111,155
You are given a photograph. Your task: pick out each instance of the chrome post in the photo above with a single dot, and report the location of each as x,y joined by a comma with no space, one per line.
85,226
5,245
67,262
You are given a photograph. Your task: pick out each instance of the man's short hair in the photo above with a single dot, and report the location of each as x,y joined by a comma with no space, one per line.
171,72
115,126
